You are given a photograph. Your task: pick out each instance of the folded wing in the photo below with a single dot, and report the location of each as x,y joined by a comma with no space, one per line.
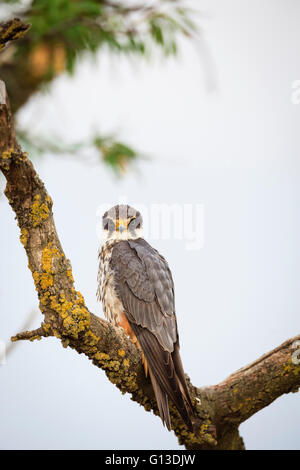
143,283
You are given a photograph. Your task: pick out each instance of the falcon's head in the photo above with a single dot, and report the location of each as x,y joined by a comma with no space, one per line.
122,222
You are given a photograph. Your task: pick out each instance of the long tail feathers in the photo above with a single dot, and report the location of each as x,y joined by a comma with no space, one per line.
166,374
179,398
162,401
181,377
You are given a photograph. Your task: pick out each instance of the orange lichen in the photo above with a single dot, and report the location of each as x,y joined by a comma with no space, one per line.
6,158
39,211
70,274
126,363
24,236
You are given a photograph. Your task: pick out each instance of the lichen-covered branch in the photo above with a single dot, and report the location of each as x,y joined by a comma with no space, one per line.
31,335
218,409
12,30
257,385
251,389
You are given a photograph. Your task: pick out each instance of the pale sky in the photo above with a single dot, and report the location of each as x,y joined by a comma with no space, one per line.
220,132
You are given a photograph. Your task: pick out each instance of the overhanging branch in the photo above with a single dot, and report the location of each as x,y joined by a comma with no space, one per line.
12,30
255,386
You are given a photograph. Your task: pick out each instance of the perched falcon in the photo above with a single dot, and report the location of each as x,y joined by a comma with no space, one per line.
136,288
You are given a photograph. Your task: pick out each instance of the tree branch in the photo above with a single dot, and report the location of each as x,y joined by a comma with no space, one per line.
254,387
12,30
30,335
218,409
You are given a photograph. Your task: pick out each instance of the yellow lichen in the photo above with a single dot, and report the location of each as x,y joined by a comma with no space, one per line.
79,298
70,275
290,367
56,333
35,337
91,339
47,327
22,157
44,298
101,356
126,363
7,154
47,258
39,211
113,365
36,278
65,342
45,280
5,157
24,237
76,318
121,352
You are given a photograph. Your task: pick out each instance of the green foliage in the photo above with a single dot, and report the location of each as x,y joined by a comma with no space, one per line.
114,154
90,24
62,30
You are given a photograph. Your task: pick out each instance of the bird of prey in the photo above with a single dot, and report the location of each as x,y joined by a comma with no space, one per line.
136,288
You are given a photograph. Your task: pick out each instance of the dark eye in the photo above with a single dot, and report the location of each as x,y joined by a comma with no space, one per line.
134,224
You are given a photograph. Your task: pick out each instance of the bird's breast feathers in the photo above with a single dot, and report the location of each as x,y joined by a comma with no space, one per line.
112,306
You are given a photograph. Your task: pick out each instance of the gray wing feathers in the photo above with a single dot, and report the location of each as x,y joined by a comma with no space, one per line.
159,274
144,284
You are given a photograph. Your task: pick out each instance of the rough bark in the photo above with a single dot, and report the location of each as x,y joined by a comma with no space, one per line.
11,30
219,409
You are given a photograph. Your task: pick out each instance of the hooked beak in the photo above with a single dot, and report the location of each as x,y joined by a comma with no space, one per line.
121,225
